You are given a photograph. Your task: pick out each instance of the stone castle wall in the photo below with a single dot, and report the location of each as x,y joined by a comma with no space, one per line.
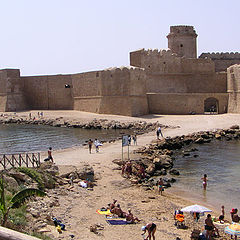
222,60
48,92
11,91
119,91
233,74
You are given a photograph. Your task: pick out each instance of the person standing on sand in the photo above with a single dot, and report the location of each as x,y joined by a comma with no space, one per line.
134,139
151,228
97,144
90,143
160,186
159,132
50,154
204,181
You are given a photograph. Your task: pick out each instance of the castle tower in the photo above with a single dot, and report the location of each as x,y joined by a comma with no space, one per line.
182,41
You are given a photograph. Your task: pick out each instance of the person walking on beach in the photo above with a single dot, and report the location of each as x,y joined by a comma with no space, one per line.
129,139
159,132
50,154
160,186
204,179
151,228
134,139
97,144
90,143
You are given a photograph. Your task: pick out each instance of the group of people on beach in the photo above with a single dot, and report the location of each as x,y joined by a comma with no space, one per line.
130,219
134,138
96,143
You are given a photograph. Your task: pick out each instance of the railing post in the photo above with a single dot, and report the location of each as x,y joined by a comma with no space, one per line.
4,161
39,160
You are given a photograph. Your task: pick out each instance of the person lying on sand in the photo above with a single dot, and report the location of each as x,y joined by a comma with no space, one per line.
130,218
119,212
112,205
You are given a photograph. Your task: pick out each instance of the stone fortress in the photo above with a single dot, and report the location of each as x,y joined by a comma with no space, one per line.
172,81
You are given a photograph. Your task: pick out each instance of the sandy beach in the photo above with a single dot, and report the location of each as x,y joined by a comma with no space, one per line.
79,211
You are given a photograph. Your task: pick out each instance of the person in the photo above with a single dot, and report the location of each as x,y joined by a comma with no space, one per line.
159,132
232,213
118,211
97,144
235,217
210,227
134,139
160,186
204,181
128,168
129,139
112,205
49,155
196,216
141,171
151,228
221,217
30,115
90,143
130,218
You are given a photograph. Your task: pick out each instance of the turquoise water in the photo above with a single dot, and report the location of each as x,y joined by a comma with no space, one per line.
16,138
220,160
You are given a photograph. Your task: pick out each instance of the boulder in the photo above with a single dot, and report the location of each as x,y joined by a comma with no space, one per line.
234,127
174,172
50,168
163,161
150,169
199,140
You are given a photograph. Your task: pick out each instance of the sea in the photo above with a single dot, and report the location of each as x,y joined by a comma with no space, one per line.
19,138
220,160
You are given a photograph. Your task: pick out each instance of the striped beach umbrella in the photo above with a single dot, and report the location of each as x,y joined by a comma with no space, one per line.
233,229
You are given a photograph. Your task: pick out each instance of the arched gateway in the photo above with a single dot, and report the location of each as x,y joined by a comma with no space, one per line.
211,105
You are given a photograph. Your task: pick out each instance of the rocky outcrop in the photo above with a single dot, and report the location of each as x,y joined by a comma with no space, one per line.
94,124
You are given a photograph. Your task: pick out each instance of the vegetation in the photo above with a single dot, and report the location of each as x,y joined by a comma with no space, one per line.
36,176
41,236
15,202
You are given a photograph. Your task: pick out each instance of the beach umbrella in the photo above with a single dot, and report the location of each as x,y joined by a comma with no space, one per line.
233,229
196,208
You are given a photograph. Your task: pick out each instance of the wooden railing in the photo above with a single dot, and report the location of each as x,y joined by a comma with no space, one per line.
19,160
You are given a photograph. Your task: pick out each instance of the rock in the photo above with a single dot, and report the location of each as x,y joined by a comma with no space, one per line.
150,169
11,183
50,168
174,172
199,140
163,161
218,136
18,176
234,127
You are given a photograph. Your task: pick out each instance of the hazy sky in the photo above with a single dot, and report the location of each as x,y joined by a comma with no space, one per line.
72,36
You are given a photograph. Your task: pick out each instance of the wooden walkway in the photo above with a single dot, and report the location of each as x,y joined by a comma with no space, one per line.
20,160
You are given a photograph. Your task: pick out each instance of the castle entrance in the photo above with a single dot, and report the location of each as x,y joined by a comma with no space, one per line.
211,105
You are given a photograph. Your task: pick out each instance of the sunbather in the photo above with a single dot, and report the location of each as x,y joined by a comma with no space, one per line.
130,218
118,211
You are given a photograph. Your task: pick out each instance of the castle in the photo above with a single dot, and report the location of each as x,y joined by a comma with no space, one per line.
172,81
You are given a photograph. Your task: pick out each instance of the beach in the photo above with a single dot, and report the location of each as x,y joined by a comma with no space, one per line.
78,210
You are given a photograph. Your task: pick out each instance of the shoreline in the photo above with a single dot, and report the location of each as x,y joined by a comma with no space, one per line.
108,180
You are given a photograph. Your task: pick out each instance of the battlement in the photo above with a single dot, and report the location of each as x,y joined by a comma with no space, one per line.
123,69
221,56
182,30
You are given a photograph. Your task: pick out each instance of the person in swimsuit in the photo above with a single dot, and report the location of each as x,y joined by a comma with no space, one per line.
90,143
130,218
204,181
160,186
210,227
50,154
151,228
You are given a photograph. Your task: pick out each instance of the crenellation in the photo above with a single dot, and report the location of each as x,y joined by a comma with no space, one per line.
222,55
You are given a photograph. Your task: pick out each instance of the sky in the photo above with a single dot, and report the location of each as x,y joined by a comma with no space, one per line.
43,37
